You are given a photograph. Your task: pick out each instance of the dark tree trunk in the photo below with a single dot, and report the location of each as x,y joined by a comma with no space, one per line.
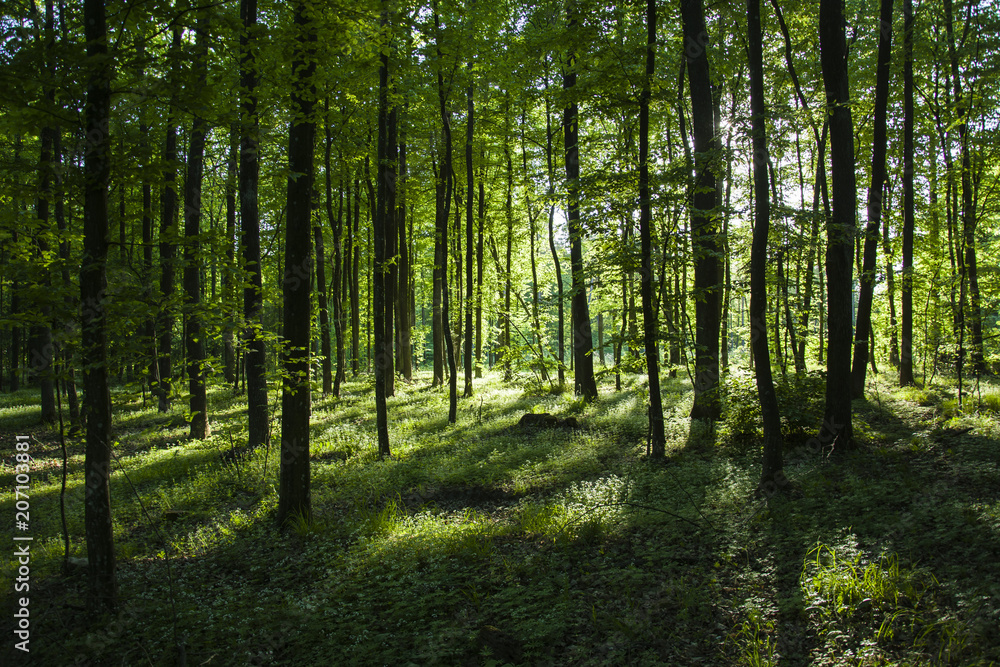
583,340
479,275
194,341
560,315
404,304
294,498
447,174
168,247
906,335
102,589
969,301
40,349
383,346
390,266
69,373
837,428
771,475
355,283
437,324
657,440
469,198
862,329
705,240
337,224
228,283
253,293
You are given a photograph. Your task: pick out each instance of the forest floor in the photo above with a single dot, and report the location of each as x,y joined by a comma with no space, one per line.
482,543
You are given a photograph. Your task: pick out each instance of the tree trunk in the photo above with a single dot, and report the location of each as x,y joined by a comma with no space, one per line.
168,245
583,340
293,481
880,142
228,283
102,589
560,315
906,335
657,440
253,293
705,241
771,476
469,197
404,301
837,428
194,341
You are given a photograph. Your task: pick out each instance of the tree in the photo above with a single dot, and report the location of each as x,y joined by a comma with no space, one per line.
293,488
657,442
583,340
906,334
705,241
837,427
102,589
253,292
880,142
194,336
381,305
771,475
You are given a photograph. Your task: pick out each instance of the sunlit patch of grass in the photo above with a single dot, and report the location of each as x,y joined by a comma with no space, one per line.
754,640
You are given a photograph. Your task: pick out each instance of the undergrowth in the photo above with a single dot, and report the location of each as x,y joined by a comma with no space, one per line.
480,543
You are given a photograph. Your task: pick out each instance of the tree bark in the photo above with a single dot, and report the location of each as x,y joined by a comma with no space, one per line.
705,241
168,244
862,329
194,341
469,199
906,335
771,475
837,430
102,589
293,483
583,340
657,440
253,293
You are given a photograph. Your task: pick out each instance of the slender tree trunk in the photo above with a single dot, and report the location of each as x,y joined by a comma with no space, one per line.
404,301
771,476
837,428
969,304
194,341
322,296
479,274
560,316
337,223
880,142
384,210
355,283
228,286
706,243
293,480
253,292
906,336
437,324
102,589
391,265
41,365
583,340
168,246
469,197
657,440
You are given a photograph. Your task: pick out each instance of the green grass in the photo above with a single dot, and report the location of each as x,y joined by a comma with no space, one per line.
481,544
